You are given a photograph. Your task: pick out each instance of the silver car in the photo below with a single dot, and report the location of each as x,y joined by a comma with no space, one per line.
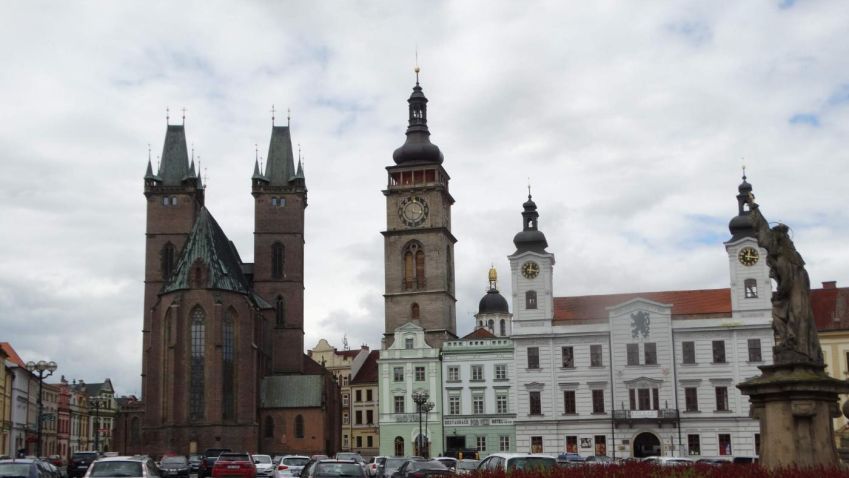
290,466
123,467
264,466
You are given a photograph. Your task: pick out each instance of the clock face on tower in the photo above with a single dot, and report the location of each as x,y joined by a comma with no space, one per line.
748,256
530,270
413,211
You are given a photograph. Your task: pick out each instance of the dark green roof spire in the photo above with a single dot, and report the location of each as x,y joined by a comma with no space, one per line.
174,165
280,165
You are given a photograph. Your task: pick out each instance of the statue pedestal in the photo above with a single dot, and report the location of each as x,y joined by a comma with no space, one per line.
795,404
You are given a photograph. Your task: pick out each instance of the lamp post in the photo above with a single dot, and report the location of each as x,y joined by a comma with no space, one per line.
420,397
97,402
427,407
42,369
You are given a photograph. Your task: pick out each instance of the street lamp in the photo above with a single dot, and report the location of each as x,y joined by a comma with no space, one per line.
97,403
420,397
427,407
43,369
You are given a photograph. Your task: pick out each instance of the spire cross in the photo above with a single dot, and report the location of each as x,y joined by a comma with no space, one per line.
256,151
417,69
205,176
167,115
148,152
184,116
288,117
299,151
529,187
272,115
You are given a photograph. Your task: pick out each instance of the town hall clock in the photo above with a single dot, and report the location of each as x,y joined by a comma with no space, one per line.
413,211
748,256
530,270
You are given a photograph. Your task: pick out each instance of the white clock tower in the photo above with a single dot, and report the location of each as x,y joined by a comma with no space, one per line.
532,271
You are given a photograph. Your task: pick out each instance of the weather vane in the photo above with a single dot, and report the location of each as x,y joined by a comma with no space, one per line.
167,116
184,116
272,115
417,69
288,117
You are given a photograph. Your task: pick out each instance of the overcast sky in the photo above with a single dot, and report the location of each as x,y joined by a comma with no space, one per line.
631,120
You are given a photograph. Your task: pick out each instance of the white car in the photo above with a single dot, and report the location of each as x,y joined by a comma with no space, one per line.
374,463
264,466
290,466
669,460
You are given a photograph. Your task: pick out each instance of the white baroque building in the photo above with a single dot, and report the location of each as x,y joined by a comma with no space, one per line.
635,374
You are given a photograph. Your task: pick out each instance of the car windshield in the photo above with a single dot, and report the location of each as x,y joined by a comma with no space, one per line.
174,460
295,461
530,462
84,456
234,457
394,463
264,459
427,465
116,469
467,465
14,469
338,469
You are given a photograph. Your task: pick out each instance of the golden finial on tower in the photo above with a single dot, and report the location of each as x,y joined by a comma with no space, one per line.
493,277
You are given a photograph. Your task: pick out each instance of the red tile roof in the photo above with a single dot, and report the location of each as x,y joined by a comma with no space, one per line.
368,370
685,303
13,356
480,333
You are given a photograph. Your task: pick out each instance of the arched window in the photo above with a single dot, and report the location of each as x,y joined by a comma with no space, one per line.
280,312
196,379
278,261
491,325
751,288
503,328
531,299
414,265
399,446
299,426
269,427
414,311
228,369
167,260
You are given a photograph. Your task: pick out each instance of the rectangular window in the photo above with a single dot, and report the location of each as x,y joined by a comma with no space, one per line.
572,444
754,350
633,351
568,357
408,343
644,396
724,444
536,444
693,445
345,418
722,399
595,356
650,353
691,399
569,402
359,442
655,399
501,403
530,299
398,374
477,373
420,374
481,443
345,399
600,445
345,441
453,404
453,374
369,441
632,399
535,404
358,417
598,401
370,417
689,351
757,444
477,404
504,443
368,395
718,351
359,395
501,372
533,357
751,287
399,404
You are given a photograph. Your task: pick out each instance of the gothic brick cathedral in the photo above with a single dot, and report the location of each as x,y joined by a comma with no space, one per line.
223,362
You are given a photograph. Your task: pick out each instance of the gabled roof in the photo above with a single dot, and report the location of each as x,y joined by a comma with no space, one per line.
480,333
685,303
368,370
208,245
12,354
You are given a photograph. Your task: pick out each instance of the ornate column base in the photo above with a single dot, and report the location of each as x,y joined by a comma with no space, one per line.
795,404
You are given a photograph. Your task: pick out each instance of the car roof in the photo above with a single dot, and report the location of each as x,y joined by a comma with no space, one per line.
522,455
124,458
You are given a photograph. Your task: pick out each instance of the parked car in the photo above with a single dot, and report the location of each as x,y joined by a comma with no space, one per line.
208,461
389,466
194,462
290,465
517,461
336,468
264,466
344,456
569,459
230,465
422,469
174,465
23,467
374,463
122,467
466,466
669,460
79,463
714,461
598,460
744,460
449,462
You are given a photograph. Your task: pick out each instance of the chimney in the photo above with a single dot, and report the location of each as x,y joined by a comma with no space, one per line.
832,284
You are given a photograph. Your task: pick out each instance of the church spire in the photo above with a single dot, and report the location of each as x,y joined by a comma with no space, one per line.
531,238
174,165
741,225
417,148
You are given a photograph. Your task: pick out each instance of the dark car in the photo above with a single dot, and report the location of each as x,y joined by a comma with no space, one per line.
231,464
569,459
79,463
208,461
194,462
23,468
175,465
337,468
389,466
422,469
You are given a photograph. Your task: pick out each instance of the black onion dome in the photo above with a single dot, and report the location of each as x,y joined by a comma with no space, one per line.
493,303
418,148
530,238
741,225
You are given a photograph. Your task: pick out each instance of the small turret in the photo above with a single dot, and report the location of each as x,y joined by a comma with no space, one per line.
741,225
417,149
531,238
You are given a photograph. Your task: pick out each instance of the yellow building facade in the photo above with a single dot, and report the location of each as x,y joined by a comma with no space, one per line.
835,349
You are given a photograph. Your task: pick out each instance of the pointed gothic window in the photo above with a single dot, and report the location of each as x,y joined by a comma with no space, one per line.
228,370
299,426
414,266
414,311
531,299
280,312
196,384
167,258
277,260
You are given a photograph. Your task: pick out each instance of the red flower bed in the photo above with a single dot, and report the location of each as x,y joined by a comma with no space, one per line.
645,470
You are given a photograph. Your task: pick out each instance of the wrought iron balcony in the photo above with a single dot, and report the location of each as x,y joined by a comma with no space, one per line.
661,417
